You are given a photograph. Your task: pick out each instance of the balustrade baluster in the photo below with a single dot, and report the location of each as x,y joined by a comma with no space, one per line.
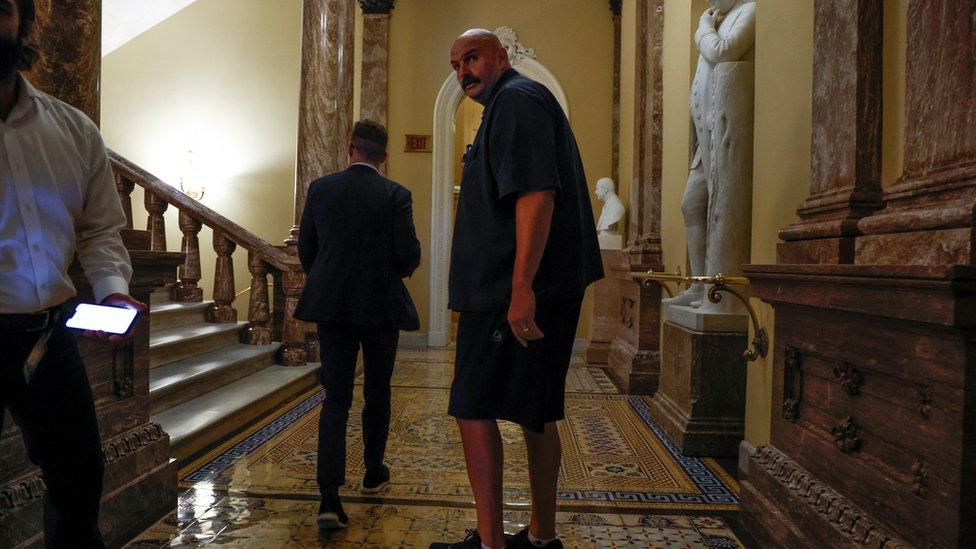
258,313
223,295
156,225
124,186
293,352
189,272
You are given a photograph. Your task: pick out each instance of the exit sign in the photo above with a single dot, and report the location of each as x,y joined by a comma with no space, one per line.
419,143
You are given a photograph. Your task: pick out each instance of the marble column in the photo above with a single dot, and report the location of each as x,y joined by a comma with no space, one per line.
928,216
615,9
376,43
845,182
325,105
634,356
69,36
644,230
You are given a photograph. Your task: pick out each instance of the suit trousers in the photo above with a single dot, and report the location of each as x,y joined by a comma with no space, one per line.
56,414
340,344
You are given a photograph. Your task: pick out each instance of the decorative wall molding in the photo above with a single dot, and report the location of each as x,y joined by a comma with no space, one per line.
21,493
793,384
849,377
846,436
516,50
442,193
831,506
28,490
376,6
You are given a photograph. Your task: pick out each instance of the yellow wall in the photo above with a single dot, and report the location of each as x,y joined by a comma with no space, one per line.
572,38
678,72
895,46
781,169
223,81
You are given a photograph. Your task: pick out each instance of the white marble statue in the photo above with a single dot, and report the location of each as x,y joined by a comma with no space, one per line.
610,216
717,203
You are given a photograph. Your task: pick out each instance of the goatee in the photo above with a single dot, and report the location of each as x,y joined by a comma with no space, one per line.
11,53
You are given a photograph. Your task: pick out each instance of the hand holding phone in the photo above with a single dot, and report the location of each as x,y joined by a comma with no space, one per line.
102,318
111,321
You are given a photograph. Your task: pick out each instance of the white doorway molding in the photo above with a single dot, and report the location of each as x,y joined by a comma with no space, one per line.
442,192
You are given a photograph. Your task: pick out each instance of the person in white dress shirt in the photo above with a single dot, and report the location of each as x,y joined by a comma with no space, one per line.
57,200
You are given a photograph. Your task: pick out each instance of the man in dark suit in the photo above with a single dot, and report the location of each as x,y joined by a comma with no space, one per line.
356,243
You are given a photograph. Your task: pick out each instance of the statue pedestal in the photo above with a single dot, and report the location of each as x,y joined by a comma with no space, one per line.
610,241
701,399
607,305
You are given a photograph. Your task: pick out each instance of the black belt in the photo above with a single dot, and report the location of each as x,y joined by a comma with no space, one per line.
27,322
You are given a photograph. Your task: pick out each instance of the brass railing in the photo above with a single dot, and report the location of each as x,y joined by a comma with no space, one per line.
268,320
719,283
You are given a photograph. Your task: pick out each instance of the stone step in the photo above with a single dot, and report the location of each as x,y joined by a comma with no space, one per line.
173,314
203,422
178,382
167,346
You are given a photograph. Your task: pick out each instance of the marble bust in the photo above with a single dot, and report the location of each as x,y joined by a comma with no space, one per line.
717,202
610,216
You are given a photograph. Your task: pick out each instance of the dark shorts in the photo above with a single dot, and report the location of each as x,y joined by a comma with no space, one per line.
496,378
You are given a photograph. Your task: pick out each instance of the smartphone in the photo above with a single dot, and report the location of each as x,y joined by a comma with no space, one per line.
112,320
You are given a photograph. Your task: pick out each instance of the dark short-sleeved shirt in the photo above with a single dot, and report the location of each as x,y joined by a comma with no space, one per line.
524,144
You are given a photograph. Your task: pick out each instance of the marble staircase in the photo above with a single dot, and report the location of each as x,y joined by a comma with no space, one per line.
204,382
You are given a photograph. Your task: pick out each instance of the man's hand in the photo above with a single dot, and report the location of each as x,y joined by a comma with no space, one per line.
709,19
116,300
521,315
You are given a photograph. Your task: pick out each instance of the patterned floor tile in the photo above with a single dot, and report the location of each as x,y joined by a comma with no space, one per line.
265,522
612,457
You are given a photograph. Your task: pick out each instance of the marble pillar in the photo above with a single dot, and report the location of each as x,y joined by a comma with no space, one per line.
846,155
644,230
376,44
325,105
68,34
928,215
615,8
634,357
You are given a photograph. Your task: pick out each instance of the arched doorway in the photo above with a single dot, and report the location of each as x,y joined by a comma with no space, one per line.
443,182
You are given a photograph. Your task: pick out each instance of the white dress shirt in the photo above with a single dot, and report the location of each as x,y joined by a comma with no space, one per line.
57,197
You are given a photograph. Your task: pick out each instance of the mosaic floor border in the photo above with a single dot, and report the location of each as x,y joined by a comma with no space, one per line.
715,490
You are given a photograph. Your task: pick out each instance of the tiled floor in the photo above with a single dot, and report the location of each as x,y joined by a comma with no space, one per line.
621,485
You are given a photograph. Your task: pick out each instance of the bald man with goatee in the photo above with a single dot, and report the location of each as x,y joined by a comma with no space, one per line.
524,251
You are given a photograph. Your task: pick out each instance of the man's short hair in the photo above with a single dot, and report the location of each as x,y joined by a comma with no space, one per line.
28,15
370,138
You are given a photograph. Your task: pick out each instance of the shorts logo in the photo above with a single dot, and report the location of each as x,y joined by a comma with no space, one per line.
497,336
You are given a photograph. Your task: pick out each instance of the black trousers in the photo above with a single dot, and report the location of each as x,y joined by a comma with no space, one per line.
340,345
56,415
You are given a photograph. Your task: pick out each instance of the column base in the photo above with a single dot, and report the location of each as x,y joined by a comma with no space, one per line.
822,250
634,372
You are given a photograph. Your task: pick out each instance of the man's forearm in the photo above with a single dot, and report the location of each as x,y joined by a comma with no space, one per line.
533,216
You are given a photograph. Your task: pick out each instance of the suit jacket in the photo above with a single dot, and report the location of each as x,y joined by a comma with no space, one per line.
356,242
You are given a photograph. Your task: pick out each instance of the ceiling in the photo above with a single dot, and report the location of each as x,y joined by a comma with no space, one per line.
123,20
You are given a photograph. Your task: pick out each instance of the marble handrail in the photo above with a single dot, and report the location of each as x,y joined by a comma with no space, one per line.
274,256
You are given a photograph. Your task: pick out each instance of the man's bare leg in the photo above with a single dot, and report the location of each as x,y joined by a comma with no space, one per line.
544,452
483,456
